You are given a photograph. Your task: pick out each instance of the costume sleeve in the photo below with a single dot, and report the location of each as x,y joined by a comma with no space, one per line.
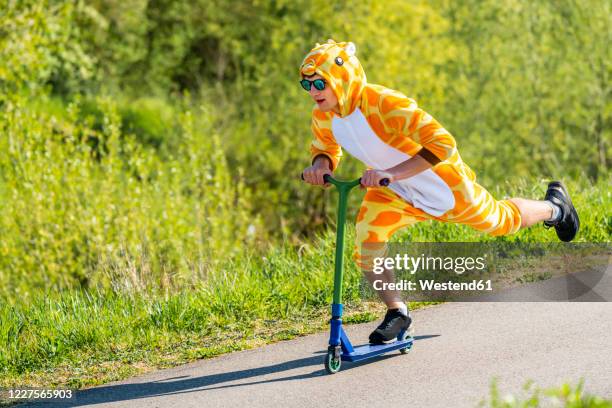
324,142
406,119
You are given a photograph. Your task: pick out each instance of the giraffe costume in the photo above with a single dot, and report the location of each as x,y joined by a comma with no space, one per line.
382,128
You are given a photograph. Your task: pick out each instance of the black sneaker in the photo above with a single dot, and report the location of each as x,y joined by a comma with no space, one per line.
390,327
569,223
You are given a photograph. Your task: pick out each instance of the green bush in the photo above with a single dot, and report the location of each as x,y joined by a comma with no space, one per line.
89,204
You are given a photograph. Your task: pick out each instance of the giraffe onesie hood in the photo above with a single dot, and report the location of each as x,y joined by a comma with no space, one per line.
337,63
382,127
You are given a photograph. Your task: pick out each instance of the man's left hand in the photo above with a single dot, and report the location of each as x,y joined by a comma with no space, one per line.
371,178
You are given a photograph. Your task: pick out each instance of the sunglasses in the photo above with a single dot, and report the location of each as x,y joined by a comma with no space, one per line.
318,84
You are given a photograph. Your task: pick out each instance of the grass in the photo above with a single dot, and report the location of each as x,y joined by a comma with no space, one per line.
566,395
83,338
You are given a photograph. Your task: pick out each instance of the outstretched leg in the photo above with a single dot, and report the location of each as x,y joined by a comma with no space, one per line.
476,207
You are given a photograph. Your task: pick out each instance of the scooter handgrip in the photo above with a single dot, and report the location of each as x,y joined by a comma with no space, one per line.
384,182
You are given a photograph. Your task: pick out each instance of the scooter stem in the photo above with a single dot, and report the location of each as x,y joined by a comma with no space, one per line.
343,187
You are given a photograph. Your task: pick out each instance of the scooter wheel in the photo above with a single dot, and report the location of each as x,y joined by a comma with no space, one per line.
405,350
332,362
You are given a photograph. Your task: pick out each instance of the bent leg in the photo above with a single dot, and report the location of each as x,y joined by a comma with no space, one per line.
382,213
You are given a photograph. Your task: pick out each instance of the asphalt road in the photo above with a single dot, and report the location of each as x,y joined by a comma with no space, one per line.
459,349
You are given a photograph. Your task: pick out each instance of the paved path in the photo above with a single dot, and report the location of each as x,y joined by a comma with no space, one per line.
459,348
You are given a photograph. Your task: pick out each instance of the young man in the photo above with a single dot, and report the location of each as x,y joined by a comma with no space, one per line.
397,140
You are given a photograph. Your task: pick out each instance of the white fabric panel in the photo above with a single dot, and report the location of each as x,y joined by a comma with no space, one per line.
426,190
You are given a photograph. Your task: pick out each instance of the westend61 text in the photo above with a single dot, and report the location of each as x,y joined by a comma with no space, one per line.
430,284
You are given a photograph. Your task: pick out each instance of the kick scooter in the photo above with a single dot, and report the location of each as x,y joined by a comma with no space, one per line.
340,348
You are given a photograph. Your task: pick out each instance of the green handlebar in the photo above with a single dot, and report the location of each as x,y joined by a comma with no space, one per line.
338,183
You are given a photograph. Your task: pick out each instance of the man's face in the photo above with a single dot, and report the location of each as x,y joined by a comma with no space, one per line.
326,99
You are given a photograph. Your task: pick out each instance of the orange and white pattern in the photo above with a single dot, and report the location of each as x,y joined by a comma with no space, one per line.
382,128
383,212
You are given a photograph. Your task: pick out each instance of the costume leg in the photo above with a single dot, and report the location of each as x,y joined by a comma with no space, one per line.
476,207
382,213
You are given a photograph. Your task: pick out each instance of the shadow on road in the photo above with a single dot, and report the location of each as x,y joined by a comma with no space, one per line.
186,384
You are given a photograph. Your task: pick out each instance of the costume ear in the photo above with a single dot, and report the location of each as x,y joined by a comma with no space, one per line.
350,49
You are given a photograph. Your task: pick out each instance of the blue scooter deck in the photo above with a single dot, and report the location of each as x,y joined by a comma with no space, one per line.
371,350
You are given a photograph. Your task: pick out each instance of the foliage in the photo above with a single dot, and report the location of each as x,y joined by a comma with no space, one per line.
90,205
534,93
524,87
39,45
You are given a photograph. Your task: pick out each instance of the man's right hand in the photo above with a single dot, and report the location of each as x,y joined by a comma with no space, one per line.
314,174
